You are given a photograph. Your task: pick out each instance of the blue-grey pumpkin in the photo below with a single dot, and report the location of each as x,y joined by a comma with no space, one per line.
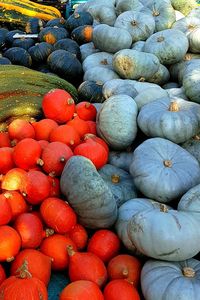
172,118
177,93
116,121
161,76
191,80
164,233
119,86
162,280
139,46
187,24
163,170
190,202
194,40
87,49
170,85
107,15
120,159
99,59
88,194
120,182
128,5
169,45
100,73
193,146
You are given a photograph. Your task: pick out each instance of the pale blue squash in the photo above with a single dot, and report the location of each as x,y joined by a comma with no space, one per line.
119,86
164,233
190,202
161,76
100,74
120,159
194,40
139,46
120,183
170,85
116,121
88,194
169,45
162,280
187,24
138,24
172,118
177,93
195,12
87,49
162,170
128,5
99,59
191,80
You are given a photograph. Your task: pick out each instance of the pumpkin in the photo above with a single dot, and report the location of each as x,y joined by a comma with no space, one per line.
65,64
82,34
10,243
100,74
81,290
39,265
18,56
138,24
184,6
52,34
111,39
43,128
87,49
139,46
2,274
120,182
5,211
101,59
161,76
6,159
65,134
162,118
125,266
86,266
194,12
192,146
13,179
9,36
119,129
3,32
194,40
5,139
163,13
189,202
20,129
107,15
80,125
187,24
105,244
91,91
160,278
169,45
99,200
127,5
133,64
163,154
5,61
23,43
170,85
58,22
79,19
191,80
68,45
119,86
120,159
171,247
34,25
40,51
120,289
78,234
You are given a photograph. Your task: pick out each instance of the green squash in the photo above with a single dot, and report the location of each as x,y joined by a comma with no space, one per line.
88,194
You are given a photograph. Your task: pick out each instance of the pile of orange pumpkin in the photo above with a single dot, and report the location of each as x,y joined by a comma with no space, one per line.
39,231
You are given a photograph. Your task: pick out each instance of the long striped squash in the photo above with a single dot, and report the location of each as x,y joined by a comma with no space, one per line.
22,90
19,11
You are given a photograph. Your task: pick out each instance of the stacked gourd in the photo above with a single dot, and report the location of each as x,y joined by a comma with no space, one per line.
137,48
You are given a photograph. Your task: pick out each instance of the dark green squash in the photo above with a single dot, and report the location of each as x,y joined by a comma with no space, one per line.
91,91
22,91
68,45
82,34
5,61
23,43
3,32
66,65
9,36
34,25
58,22
52,34
18,56
79,19
40,51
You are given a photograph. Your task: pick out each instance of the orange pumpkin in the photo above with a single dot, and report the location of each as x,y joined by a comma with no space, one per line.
5,139
20,129
79,125
5,210
43,128
86,111
10,243
2,274
79,236
65,134
6,159
17,203
119,289
13,179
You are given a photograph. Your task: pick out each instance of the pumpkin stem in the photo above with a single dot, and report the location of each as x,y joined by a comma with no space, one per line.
188,272
134,23
40,162
87,104
167,163
115,178
23,271
7,195
155,13
9,259
49,232
98,82
125,272
52,174
163,208
187,57
70,250
71,142
173,107
142,79
196,137
104,62
62,20
160,39
88,136
62,159
70,101
76,16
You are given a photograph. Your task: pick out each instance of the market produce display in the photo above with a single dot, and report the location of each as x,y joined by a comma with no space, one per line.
99,151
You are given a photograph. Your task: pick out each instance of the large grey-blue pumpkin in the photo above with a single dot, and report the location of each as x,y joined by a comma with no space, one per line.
162,280
99,59
172,118
128,5
120,183
133,64
187,24
161,77
88,194
191,80
194,40
119,86
125,212
149,95
116,121
163,170
190,201
87,49
169,45
120,159
164,233
100,73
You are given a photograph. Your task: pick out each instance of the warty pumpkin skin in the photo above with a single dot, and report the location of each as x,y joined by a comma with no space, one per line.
111,39
138,24
162,280
88,194
172,118
120,182
176,169
116,121
133,64
170,45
